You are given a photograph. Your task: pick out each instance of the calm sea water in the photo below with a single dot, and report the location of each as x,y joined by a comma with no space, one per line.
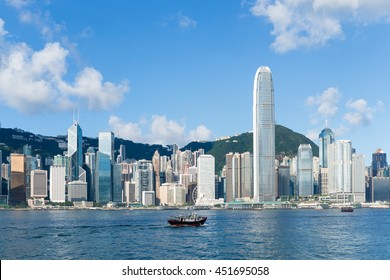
145,234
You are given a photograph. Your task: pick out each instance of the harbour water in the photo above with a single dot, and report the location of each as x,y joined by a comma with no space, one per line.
144,234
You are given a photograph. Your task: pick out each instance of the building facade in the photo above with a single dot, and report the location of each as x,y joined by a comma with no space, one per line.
305,170
75,151
264,137
206,179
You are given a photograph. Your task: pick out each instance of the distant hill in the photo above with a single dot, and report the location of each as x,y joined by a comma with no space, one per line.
13,140
287,143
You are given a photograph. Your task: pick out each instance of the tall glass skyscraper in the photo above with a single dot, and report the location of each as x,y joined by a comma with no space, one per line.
104,162
326,137
305,170
75,151
264,136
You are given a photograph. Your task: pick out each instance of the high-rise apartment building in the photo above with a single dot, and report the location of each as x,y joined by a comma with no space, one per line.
305,170
75,151
206,179
264,136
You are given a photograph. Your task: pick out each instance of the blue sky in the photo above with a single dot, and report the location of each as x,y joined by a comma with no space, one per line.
171,71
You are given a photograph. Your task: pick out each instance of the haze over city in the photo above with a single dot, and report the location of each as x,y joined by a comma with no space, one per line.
174,71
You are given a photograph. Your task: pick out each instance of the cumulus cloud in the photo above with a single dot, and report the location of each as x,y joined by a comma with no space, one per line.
326,102
158,130
361,113
308,23
34,81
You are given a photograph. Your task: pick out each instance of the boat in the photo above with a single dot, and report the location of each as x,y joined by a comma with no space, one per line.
346,208
193,220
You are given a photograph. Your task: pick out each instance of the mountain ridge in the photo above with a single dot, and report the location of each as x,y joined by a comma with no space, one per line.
286,144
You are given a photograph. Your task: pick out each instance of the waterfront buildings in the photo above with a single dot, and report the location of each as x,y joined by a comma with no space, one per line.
264,136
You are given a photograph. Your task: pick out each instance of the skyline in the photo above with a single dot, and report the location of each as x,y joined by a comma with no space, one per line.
174,71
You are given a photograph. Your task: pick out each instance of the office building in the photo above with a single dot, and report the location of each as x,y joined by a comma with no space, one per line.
17,188
326,137
358,178
143,179
77,191
75,151
57,183
263,137
156,174
104,162
305,170
206,179
378,161
38,183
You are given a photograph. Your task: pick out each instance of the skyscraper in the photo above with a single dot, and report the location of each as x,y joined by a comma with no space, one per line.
378,161
305,170
104,161
263,136
17,191
326,137
206,179
340,167
75,151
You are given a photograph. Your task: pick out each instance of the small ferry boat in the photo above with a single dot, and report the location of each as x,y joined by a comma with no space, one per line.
346,208
193,220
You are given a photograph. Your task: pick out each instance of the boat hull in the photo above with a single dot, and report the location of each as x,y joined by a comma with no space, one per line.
195,223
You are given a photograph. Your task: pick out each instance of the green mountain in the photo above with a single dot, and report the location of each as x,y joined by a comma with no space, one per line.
13,140
287,143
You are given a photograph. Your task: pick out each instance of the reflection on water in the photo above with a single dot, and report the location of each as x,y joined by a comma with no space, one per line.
271,234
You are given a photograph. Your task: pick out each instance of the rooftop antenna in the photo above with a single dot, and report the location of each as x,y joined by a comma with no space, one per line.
74,119
326,122
78,114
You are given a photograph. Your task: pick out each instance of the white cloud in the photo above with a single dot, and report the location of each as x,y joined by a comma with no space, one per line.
308,23
326,102
158,130
18,3
183,21
186,22
2,30
33,81
361,113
